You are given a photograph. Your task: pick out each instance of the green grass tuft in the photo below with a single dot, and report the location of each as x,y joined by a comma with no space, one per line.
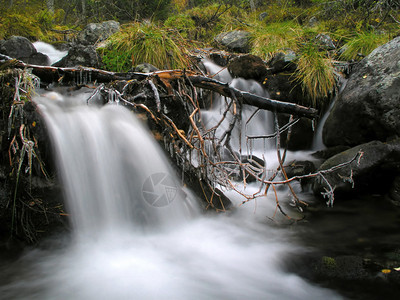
315,73
363,44
145,43
271,38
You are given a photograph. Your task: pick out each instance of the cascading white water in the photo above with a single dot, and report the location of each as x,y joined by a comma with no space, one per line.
110,166
135,241
54,54
318,143
253,122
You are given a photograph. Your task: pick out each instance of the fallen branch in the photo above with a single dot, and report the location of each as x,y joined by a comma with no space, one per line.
82,75
251,99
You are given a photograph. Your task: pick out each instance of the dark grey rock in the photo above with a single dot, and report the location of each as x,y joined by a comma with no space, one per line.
262,16
325,41
38,59
221,58
94,33
302,133
80,55
18,47
394,193
375,172
282,87
145,68
282,61
329,152
368,108
300,168
347,267
237,40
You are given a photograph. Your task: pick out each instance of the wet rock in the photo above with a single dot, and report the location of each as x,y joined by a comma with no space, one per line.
375,172
236,40
80,55
302,133
329,152
325,41
346,267
247,66
38,208
256,165
17,47
20,48
282,87
300,168
394,193
282,62
262,16
38,59
146,68
368,108
94,33
221,58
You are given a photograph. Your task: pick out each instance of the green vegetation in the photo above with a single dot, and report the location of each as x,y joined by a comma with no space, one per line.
328,263
160,31
315,73
362,44
144,43
274,37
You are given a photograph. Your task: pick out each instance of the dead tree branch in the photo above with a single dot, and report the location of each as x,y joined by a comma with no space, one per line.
83,75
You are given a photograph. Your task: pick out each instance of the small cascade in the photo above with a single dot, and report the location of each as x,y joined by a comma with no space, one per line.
253,122
113,173
54,54
136,232
318,143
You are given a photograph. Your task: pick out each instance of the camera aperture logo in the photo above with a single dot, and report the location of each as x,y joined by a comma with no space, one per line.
159,189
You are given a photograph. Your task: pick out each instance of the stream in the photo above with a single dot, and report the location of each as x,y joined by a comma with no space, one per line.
137,233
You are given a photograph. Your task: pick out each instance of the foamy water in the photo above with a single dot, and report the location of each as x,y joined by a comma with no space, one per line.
54,54
137,234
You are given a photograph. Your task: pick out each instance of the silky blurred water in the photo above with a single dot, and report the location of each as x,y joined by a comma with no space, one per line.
137,235
54,54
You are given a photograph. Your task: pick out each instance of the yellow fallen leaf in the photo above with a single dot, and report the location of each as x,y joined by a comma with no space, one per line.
386,271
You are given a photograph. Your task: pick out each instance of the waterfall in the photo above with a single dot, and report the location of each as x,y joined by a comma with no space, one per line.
113,173
136,232
318,143
253,122
54,54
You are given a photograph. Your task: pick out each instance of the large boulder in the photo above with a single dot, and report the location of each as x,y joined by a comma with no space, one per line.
94,33
18,47
21,48
369,106
375,173
39,59
80,55
236,40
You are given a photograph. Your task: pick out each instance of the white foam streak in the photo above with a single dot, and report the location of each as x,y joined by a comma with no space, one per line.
54,54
